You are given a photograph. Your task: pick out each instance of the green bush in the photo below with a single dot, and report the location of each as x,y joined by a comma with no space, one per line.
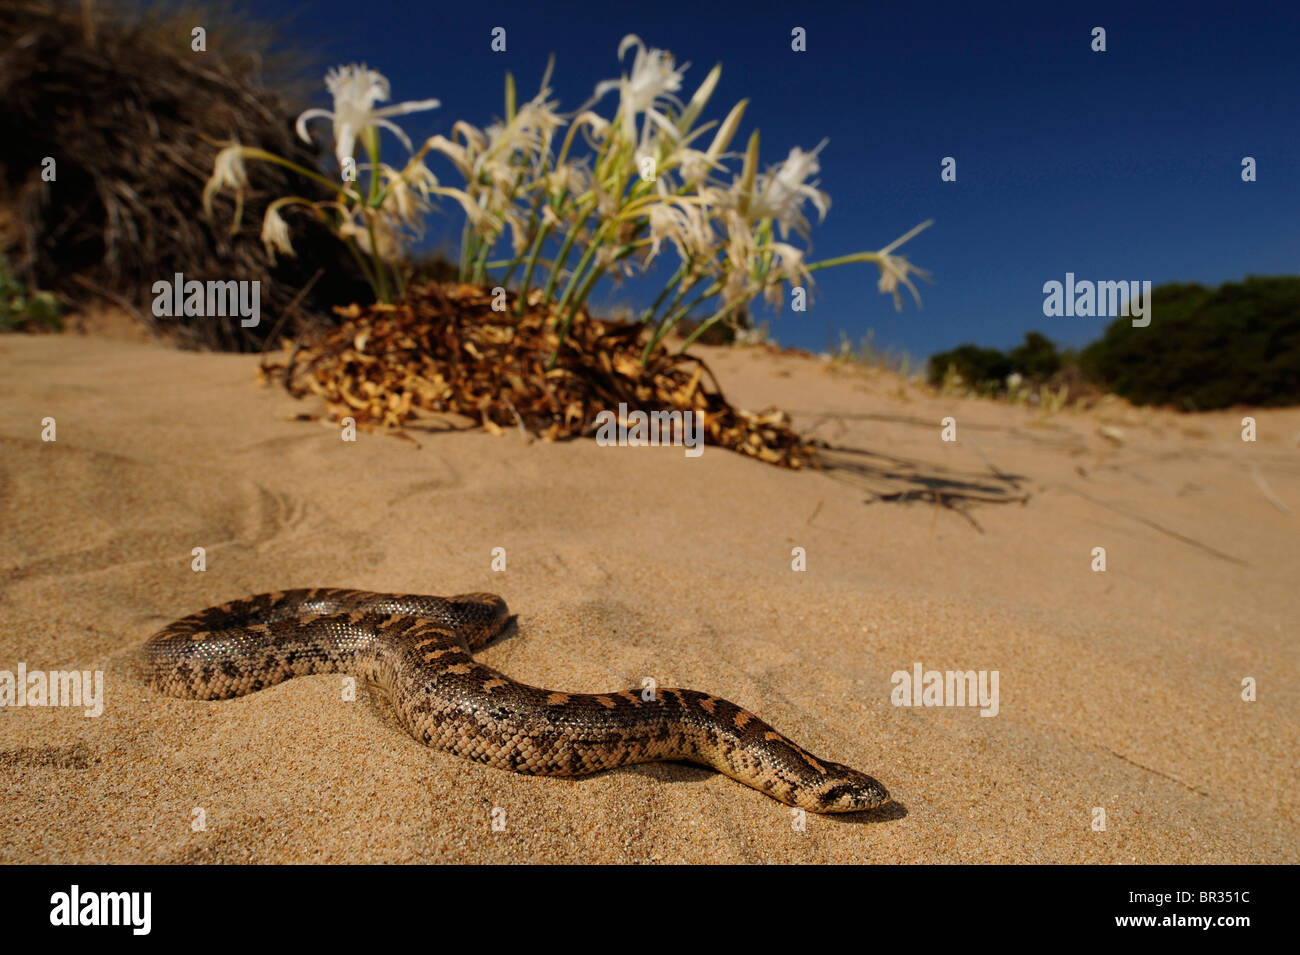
1037,359
1206,348
977,366
986,369
22,309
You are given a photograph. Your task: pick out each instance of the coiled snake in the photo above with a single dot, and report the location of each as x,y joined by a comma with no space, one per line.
416,650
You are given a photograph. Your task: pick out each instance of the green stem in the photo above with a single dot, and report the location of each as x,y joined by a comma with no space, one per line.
381,281
577,303
871,256
262,154
527,281
465,239
707,324
480,266
670,321
585,261
763,238
563,255
532,226
584,290
673,282
472,257
371,138
843,260
361,263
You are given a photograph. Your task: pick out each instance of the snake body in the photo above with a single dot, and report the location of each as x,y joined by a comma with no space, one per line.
417,651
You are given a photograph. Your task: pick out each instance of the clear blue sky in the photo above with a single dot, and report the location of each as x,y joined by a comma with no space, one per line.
1116,165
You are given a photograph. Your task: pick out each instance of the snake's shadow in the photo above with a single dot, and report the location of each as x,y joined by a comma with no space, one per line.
675,773
509,631
887,813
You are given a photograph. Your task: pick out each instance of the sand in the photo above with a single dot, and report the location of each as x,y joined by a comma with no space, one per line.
1118,691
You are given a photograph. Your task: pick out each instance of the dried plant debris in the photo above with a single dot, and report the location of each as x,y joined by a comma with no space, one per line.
444,349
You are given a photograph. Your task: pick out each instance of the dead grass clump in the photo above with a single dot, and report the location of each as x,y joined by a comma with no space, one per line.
132,118
444,349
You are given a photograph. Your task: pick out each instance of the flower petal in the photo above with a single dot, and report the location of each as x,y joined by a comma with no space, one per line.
301,125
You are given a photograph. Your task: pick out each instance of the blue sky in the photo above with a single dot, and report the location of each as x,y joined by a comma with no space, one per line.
1120,165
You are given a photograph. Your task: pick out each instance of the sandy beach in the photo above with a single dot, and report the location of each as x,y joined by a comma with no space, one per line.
1119,690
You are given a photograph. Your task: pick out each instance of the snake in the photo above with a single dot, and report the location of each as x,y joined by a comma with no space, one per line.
417,652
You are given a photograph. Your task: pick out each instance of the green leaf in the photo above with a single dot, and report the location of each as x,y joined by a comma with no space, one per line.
722,139
748,172
698,101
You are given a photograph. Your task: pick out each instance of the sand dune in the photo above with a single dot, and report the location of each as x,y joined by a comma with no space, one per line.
1119,690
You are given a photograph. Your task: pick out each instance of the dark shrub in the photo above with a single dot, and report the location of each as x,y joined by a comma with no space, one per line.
1207,348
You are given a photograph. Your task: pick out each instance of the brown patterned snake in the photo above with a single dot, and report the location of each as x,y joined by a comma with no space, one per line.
416,650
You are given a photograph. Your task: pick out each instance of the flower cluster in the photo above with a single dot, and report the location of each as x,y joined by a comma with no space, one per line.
570,199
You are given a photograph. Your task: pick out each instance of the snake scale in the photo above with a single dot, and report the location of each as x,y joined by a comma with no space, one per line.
417,651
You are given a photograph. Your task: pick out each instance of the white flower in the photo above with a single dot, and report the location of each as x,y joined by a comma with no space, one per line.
534,123
654,77
893,270
607,258
594,127
406,192
780,194
696,165
275,231
607,201
683,225
787,265
572,178
490,161
462,157
386,236
356,89
227,173
483,221
519,234
420,177
736,286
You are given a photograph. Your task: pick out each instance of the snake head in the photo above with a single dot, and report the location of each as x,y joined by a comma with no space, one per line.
847,790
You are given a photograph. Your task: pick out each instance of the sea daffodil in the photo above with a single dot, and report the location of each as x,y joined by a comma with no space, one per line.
356,89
